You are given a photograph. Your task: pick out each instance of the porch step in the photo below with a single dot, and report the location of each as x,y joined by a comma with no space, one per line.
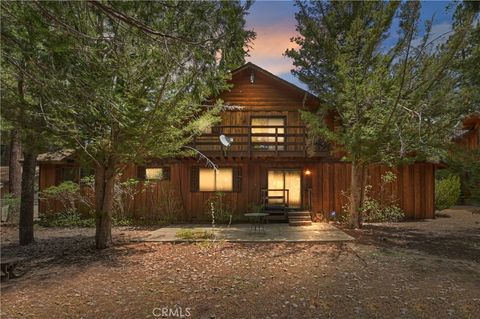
299,213
299,218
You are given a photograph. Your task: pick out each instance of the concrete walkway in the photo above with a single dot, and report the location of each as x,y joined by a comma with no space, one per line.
318,232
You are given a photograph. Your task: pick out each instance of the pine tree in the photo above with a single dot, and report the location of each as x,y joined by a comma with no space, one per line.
394,104
128,81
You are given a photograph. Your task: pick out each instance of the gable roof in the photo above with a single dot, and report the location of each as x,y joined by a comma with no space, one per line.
60,156
274,77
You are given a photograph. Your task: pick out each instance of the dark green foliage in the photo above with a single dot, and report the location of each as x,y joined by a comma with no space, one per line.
447,192
120,81
393,105
390,103
465,164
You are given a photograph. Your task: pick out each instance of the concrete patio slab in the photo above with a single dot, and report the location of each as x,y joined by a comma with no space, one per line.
318,232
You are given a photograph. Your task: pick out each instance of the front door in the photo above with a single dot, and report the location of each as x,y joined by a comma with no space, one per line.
287,184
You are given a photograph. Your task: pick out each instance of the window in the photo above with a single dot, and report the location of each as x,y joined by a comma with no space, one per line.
266,139
226,179
153,173
211,180
68,173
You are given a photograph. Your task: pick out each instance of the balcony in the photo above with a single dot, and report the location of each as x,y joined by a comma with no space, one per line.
258,141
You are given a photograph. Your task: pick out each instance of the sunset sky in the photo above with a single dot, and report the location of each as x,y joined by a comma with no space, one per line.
274,22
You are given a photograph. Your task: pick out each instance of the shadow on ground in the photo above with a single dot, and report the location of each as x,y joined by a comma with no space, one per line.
461,245
46,255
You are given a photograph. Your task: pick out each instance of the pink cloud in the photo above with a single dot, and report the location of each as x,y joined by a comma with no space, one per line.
270,45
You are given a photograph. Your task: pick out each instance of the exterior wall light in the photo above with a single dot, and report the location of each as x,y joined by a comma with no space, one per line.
252,77
308,172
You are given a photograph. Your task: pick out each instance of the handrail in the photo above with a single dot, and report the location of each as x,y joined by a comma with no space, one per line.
277,140
285,199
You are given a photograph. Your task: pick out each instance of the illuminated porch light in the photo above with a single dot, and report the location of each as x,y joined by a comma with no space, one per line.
307,172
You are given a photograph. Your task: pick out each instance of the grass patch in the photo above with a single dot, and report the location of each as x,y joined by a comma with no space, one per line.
67,219
189,234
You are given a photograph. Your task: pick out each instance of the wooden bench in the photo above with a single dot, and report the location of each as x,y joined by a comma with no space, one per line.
8,266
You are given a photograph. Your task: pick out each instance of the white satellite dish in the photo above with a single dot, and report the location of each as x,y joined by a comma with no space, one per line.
226,141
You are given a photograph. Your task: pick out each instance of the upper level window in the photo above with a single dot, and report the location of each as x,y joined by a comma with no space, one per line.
270,131
219,180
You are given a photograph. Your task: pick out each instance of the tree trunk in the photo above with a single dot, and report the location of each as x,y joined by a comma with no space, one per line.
356,195
104,186
27,197
14,165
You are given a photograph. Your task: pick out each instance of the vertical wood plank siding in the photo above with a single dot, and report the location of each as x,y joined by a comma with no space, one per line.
329,180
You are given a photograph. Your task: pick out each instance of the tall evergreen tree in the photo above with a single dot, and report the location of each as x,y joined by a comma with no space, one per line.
394,105
25,46
128,81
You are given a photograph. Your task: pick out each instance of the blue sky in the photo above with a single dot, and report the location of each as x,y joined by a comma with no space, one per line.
274,22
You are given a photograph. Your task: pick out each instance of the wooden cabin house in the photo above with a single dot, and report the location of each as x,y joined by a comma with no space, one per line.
270,163
468,135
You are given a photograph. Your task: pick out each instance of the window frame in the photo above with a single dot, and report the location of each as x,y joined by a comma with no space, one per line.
215,190
60,174
270,147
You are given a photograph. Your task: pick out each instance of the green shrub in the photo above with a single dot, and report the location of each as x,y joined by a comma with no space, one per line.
68,219
447,192
378,206
68,193
465,164
374,212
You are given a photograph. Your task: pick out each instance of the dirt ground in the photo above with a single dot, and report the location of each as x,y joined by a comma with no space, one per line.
428,269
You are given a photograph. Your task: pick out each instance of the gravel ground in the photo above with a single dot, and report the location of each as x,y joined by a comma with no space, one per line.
425,269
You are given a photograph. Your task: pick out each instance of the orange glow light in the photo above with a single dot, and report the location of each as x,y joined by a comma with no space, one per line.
307,172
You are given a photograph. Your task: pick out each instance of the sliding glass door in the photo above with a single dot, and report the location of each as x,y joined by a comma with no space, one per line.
281,182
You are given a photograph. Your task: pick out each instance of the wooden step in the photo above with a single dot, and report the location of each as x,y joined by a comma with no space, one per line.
302,213
299,218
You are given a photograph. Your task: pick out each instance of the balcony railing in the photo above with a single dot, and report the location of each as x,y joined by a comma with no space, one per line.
257,140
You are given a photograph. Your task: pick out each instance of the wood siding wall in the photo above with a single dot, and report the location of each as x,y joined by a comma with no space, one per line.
414,189
269,96
471,140
266,93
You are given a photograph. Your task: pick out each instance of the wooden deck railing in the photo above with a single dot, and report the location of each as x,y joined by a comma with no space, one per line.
256,140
